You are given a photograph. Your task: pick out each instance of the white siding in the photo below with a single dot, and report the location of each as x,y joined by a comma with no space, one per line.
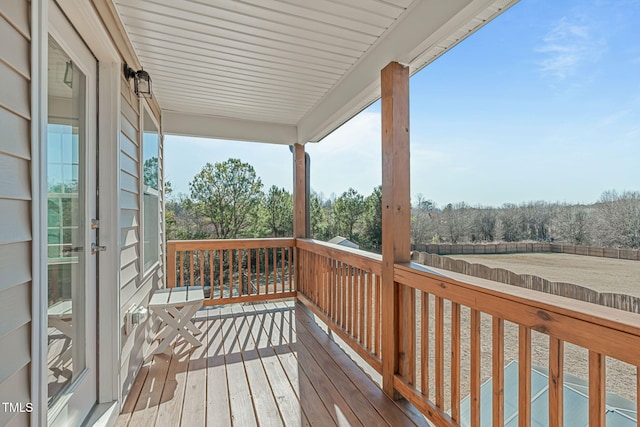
15,208
133,291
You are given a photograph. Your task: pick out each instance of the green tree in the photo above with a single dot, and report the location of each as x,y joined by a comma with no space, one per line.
347,212
373,219
150,175
229,195
278,212
317,217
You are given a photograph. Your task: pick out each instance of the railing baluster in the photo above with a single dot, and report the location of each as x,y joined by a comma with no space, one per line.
326,277
266,270
282,275
455,361
350,299
201,262
181,267
369,299
378,320
343,305
171,265
361,310
240,278
338,315
336,292
319,282
275,270
597,390
475,368
439,349
524,377
258,271
191,268
317,286
424,344
498,370
249,275
327,286
289,252
345,302
221,272
231,283
556,381
212,273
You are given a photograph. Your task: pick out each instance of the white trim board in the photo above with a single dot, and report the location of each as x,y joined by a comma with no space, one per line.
187,124
39,60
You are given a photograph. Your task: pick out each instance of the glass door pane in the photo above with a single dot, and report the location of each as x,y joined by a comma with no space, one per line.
66,221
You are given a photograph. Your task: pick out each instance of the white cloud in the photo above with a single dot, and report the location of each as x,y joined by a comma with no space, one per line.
350,157
567,47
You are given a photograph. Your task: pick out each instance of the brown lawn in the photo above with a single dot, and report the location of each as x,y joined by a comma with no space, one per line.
600,274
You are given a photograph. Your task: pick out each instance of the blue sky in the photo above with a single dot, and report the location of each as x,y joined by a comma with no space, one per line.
543,103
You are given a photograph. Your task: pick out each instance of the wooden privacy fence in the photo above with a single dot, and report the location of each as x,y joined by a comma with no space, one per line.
233,271
568,290
343,287
538,247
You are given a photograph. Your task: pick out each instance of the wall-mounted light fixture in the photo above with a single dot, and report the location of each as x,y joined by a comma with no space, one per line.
141,81
68,74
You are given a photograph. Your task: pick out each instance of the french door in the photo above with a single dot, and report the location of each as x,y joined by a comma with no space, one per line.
71,206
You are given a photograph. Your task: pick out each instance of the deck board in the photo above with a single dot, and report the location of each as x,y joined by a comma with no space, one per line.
263,364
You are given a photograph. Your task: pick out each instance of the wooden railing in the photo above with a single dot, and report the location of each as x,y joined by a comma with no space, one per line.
484,308
458,331
342,286
233,270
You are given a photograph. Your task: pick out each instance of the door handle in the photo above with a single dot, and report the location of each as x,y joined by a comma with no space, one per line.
95,248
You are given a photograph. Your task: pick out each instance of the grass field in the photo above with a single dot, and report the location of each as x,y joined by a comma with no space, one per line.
600,274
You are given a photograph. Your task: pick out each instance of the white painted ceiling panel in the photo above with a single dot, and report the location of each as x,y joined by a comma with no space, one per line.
287,62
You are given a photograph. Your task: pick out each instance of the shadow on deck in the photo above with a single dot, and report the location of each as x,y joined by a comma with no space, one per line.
262,364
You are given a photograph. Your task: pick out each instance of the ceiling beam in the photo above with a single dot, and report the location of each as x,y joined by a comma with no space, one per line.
203,126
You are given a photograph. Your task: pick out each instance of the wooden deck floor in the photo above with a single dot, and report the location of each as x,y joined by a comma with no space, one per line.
261,364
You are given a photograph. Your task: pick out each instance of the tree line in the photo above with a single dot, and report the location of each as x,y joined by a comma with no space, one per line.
228,200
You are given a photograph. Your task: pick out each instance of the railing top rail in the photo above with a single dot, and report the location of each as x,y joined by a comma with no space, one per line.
609,331
355,257
276,242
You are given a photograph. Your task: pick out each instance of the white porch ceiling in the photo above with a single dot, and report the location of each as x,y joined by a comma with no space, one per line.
285,71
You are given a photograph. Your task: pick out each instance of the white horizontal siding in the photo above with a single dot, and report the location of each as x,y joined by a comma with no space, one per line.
15,138
14,91
132,290
15,264
16,389
15,208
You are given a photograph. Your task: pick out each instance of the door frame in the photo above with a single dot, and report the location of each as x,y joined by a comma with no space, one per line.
90,27
78,397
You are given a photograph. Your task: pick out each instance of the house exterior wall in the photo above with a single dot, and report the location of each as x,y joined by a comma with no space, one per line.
15,209
18,228
134,289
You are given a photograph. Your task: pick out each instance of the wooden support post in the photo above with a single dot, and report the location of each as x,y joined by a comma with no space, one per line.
396,222
300,193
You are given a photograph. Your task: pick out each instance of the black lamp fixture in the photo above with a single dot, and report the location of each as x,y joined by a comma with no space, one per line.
141,81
